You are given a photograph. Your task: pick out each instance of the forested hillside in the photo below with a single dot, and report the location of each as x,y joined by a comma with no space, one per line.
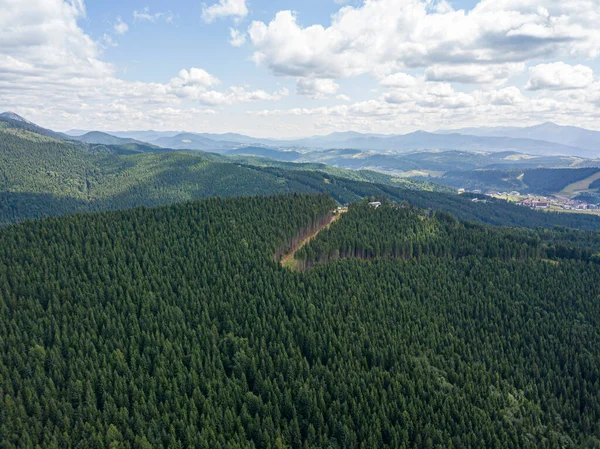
41,176
539,181
393,231
174,327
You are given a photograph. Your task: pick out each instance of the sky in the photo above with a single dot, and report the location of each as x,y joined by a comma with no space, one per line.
296,68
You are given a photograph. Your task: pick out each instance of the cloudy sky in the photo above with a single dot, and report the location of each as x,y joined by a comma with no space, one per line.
290,68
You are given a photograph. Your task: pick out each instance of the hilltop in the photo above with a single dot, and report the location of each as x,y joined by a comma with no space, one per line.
174,327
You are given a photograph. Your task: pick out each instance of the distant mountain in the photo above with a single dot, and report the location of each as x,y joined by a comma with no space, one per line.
144,136
337,139
140,136
239,138
40,176
12,116
271,153
192,141
76,132
333,140
97,137
14,121
422,140
543,140
549,132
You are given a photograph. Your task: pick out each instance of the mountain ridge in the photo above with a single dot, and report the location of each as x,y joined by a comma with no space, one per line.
547,131
102,138
544,139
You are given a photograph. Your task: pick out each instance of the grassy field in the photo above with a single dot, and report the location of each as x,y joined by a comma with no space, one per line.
580,186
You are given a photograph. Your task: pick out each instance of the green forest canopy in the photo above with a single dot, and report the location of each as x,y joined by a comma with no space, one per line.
545,181
41,175
174,327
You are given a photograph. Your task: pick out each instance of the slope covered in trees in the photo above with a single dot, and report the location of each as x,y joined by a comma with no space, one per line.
174,327
393,231
539,181
42,176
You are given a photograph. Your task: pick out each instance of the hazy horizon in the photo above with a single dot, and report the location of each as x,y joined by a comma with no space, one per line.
82,131
292,69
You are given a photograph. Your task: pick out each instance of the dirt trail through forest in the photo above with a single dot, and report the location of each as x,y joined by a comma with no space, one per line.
288,259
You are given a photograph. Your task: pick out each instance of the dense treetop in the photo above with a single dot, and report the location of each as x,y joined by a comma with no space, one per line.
174,327
535,180
404,231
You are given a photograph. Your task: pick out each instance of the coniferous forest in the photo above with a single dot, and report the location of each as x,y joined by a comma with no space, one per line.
43,176
176,327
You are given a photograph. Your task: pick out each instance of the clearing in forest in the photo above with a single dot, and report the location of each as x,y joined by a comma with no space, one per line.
579,186
287,261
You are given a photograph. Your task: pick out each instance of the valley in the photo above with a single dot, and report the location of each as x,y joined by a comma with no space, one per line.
43,174
214,274
347,224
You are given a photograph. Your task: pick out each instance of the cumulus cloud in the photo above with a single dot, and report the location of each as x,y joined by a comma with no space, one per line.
236,37
225,8
146,16
230,96
194,77
509,96
50,69
316,88
193,84
40,39
473,73
120,27
389,35
559,76
53,72
399,80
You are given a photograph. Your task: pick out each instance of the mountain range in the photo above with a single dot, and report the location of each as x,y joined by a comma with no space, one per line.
550,132
546,139
47,173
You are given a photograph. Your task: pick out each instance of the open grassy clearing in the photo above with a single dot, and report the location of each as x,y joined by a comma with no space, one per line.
580,186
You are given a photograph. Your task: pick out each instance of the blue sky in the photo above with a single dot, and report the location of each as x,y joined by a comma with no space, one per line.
300,68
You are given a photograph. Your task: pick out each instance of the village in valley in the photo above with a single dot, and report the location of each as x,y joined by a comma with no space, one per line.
549,203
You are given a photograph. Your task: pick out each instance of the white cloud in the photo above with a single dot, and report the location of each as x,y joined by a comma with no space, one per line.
236,37
559,76
435,105
52,71
120,27
316,88
194,85
399,80
389,35
509,96
146,16
194,77
473,73
231,96
43,35
225,8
